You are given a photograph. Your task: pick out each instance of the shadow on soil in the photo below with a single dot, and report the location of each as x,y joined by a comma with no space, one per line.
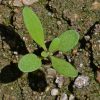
37,81
12,39
10,73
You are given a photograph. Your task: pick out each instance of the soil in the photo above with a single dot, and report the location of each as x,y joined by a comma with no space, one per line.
56,16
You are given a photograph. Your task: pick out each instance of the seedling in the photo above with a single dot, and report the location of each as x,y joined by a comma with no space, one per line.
64,43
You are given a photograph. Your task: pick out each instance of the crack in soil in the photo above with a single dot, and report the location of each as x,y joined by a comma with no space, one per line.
83,43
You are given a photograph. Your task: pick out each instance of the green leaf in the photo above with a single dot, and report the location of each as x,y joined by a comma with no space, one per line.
68,40
44,54
29,63
54,46
34,26
63,67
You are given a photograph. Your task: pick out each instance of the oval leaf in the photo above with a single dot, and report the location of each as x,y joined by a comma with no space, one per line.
54,46
34,26
63,67
68,40
29,63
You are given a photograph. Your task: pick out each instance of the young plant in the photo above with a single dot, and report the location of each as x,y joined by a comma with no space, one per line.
64,43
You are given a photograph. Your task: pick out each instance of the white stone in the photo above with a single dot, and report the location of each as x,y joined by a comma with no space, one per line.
59,81
87,37
71,97
51,72
17,3
24,38
15,52
29,2
98,41
49,14
54,92
81,81
81,65
64,97
58,22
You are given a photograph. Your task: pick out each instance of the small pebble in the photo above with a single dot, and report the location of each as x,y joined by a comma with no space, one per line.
51,73
0,1
81,65
64,97
54,92
98,75
58,22
17,3
12,88
49,14
71,97
47,89
87,38
98,41
74,52
59,54
15,52
95,5
69,58
59,81
24,38
29,2
81,81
